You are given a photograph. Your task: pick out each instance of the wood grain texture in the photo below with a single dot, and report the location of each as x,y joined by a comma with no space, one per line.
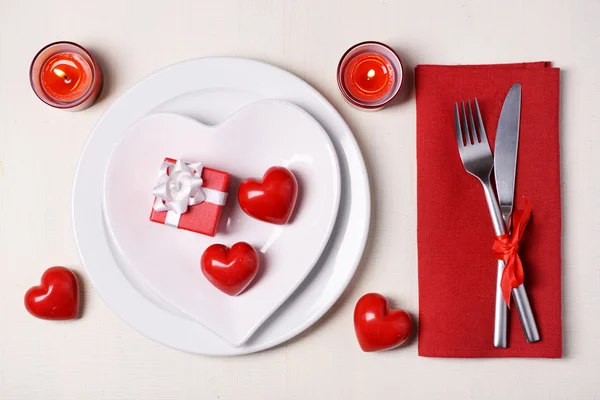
100,357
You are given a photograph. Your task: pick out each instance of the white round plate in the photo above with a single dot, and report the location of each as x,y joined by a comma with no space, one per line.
210,90
260,135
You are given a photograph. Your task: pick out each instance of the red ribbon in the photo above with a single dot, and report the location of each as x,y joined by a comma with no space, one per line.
506,248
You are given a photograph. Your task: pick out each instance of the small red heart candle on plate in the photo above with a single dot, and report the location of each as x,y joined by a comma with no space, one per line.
272,199
370,75
65,75
230,270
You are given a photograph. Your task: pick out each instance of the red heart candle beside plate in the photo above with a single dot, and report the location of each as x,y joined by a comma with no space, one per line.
57,296
377,327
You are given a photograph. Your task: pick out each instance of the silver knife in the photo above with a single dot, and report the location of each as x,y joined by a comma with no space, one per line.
505,167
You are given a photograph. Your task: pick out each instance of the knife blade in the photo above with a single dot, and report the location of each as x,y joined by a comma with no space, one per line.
505,168
506,148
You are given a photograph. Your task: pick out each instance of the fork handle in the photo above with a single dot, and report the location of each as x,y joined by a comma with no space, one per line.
521,299
501,311
494,208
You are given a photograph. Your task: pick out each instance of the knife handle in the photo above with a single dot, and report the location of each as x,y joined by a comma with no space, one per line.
519,293
523,308
526,314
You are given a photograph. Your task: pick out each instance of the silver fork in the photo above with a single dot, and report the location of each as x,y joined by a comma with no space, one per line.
477,159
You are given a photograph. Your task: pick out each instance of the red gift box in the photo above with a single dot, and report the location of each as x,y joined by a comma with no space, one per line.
202,217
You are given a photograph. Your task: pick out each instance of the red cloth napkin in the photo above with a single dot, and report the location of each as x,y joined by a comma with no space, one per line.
457,271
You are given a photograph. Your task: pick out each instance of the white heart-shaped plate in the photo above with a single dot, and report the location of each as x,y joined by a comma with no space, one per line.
260,135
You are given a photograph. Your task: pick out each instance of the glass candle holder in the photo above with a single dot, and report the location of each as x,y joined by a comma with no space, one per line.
370,75
65,75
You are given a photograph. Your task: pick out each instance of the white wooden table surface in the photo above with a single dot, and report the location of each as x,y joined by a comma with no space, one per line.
100,357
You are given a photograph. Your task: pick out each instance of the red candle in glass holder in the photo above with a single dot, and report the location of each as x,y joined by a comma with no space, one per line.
370,75
65,75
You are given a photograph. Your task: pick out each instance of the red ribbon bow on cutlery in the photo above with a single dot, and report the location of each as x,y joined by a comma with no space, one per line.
506,248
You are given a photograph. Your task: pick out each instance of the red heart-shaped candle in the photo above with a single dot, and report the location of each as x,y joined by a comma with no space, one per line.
57,296
378,328
230,270
272,199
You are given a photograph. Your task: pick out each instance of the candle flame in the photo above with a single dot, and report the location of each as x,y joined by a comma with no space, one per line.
60,73
371,73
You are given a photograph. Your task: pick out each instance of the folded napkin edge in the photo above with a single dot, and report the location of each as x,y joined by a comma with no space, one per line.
523,65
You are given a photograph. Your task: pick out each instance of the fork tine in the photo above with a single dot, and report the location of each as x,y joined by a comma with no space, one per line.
472,123
459,136
468,140
482,133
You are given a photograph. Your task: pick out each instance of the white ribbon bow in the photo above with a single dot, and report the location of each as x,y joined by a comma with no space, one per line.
180,186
